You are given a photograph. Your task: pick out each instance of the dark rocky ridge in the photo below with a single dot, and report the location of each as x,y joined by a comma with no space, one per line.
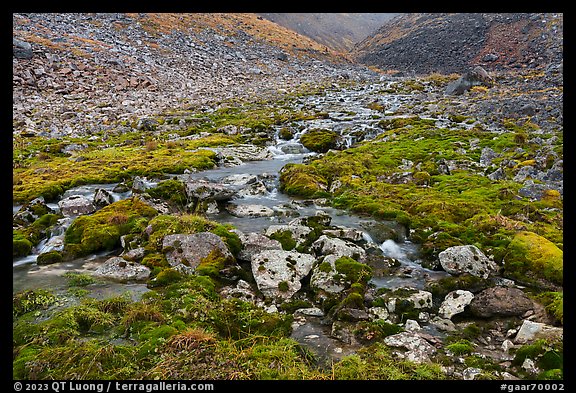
452,43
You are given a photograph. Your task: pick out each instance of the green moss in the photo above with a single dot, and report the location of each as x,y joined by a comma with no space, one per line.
297,179
283,286
325,267
286,133
461,347
165,277
376,362
49,258
466,281
353,271
547,356
285,238
319,140
31,300
21,246
102,230
171,190
212,264
530,257
554,304
375,330
78,279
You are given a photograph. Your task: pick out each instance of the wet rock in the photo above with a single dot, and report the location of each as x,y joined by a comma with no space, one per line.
326,246
76,205
102,197
117,268
190,250
205,190
141,184
31,211
350,234
278,273
249,210
500,301
466,259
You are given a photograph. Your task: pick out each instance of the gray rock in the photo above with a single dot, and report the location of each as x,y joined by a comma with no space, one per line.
326,246
76,205
249,210
21,49
118,268
298,232
190,250
278,273
466,259
207,191
253,243
530,331
102,197
327,280
417,349
475,77
454,303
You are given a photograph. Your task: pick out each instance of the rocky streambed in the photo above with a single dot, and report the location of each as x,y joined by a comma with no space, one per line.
340,283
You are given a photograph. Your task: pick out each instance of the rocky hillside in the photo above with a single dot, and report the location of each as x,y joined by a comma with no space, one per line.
338,31
446,43
92,70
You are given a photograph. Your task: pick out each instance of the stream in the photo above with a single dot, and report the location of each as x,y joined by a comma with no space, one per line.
348,114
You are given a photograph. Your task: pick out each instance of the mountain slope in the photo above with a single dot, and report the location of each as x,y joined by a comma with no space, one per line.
442,42
85,64
338,31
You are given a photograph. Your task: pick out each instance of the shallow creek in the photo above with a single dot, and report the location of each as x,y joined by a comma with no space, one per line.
347,113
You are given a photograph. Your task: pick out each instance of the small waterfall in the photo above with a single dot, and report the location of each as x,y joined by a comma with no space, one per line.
391,249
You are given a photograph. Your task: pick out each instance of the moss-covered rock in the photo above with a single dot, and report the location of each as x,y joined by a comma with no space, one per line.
103,229
319,140
49,258
531,258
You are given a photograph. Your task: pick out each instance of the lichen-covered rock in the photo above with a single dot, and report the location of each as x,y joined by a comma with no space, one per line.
298,233
190,250
76,205
467,259
118,268
278,272
253,243
530,331
325,277
454,303
417,349
326,245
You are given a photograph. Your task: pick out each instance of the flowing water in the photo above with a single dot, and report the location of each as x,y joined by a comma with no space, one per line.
348,115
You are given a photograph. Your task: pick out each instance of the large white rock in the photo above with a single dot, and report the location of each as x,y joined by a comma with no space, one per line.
454,303
278,273
466,259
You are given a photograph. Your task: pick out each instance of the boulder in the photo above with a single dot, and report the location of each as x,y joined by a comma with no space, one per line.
204,190
253,243
298,232
278,273
417,349
325,277
500,301
530,331
466,259
102,197
327,245
76,205
454,303
118,268
249,210
475,77
190,250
